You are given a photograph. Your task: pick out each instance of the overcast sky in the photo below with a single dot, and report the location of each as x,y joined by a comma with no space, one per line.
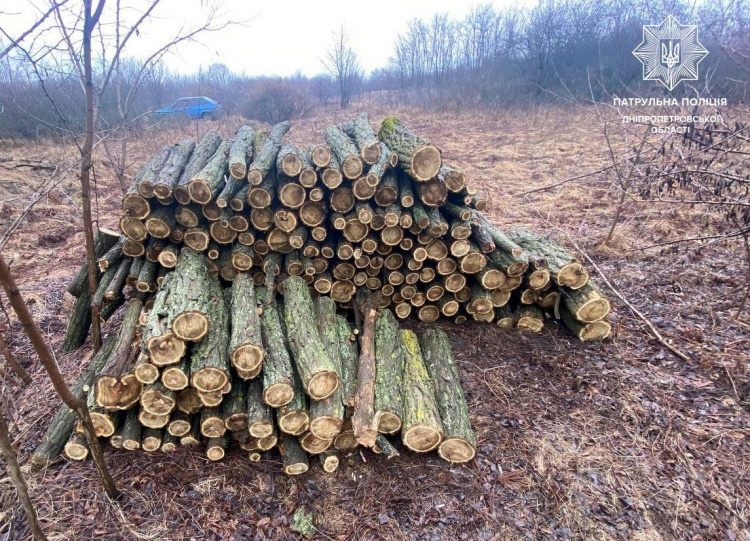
279,37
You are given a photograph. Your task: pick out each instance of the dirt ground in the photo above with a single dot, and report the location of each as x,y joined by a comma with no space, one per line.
613,440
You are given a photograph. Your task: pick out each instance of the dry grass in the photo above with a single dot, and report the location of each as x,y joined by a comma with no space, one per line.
618,440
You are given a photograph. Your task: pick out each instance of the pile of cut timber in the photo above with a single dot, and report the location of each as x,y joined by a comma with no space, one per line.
211,364
372,212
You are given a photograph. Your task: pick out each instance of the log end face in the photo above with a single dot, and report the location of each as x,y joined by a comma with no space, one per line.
388,422
296,469
190,325
421,438
165,349
425,163
456,450
352,167
326,428
322,384
261,429
248,358
209,379
593,310
598,330
75,450
294,423
278,395
215,453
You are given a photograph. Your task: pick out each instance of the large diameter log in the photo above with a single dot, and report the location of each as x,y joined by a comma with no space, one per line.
346,152
241,151
327,415
459,443
389,363
317,371
419,159
133,203
169,175
198,159
289,160
422,427
245,344
114,387
64,420
597,330
189,303
209,359
209,181
265,157
433,193
587,304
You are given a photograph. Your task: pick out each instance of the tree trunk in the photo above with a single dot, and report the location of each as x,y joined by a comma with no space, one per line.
419,159
459,443
389,362
317,371
422,427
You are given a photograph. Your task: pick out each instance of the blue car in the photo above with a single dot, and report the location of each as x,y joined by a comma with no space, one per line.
194,107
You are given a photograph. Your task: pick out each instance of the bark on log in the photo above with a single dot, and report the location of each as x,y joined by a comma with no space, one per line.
198,159
459,443
349,357
209,181
133,203
163,347
586,304
147,181
597,330
265,157
259,415
317,371
245,344
278,374
293,417
241,152
187,307
104,239
389,362
346,152
170,174
419,159
289,160
327,415
209,359
422,427
364,420
365,139
235,406
293,457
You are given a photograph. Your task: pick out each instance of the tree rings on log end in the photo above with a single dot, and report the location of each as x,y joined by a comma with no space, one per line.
247,357
322,384
425,163
174,378
326,427
278,394
165,349
388,422
313,444
209,379
422,438
190,325
294,422
456,450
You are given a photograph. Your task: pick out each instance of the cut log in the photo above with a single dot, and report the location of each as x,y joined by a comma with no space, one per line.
188,305
261,196
235,406
170,174
317,371
419,159
364,420
459,443
192,438
157,399
115,387
104,240
422,427
389,361
212,422
76,447
313,444
365,139
144,371
346,152
188,401
241,152
329,461
289,160
216,448
151,439
179,425
198,159
293,417
331,175
278,374
209,359
259,415
245,343
164,348
177,377
432,193
293,456
133,203
586,304
209,181
349,357
530,318
265,157
320,155
151,173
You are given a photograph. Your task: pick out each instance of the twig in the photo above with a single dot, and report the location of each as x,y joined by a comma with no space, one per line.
560,183
654,331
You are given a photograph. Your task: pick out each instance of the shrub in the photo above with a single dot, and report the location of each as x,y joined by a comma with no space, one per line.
276,100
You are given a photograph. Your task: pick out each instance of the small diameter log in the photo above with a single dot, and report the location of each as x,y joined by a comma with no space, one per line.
566,271
237,201
597,330
144,371
327,415
317,371
168,442
345,151
505,317
278,374
245,343
389,362
422,427
459,443
405,191
216,448
147,277
208,182
241,151
265,157
364,420
365,139
163,347
198,159
262,195
76,447
386,447
530,318
242,257
212,422
179,424
151,439
131,431
419,159
313,444
157,399
64,420
113,255
293,456
586,304
209,370
293,417
331,175
151,173
259,415
114,387
133,203
329,461
189,304
320,155
192,438
289,160
235,406
454,180
188,401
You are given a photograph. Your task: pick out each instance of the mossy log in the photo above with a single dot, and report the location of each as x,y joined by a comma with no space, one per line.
459,443
264,158
346,152
294,458
245,343
317,371
419,159
241,151
422,427
64,420
169,175
389,363
209,359
349,357
189,299
278,374
198,159
209,181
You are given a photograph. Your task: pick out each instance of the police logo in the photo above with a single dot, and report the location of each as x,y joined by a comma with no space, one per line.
670,52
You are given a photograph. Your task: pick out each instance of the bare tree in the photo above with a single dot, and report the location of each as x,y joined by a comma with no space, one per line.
343,64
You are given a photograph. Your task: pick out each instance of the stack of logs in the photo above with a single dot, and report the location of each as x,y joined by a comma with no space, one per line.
214,364
375,212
